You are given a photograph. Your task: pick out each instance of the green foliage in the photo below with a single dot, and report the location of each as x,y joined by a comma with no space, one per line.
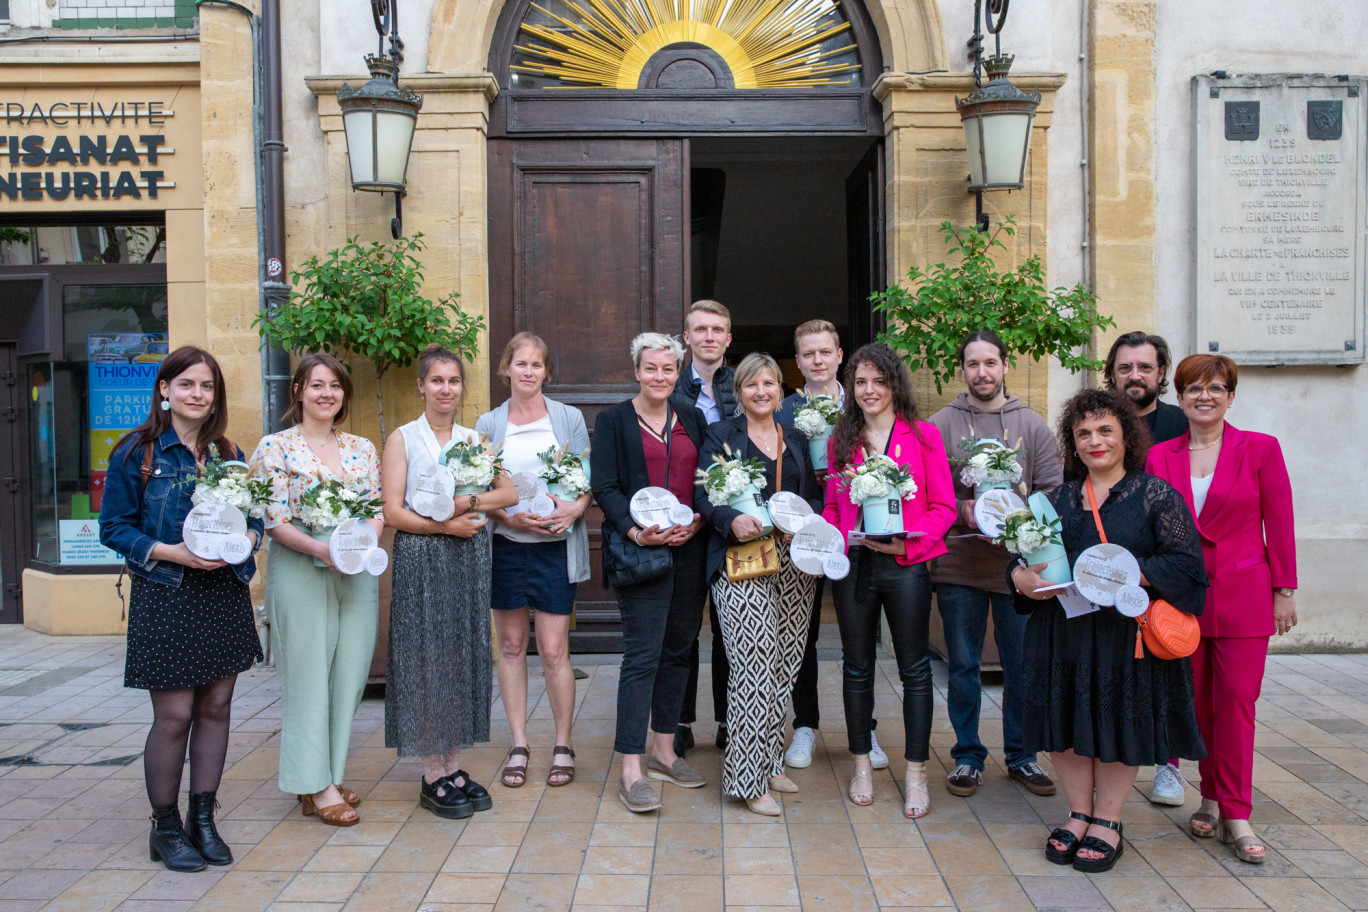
930,318
14,235
366,300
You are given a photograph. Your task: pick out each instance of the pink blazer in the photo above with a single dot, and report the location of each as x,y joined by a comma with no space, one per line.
1248,540
931,511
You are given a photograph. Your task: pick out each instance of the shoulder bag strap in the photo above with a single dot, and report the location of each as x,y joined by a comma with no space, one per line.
1092,504
779,467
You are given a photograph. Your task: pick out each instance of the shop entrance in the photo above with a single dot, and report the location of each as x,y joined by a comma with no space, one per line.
82,335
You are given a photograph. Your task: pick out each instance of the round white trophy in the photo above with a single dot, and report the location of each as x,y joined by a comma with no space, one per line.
657,507
434,492
836,566
789,511
376,561
208,526
991,509
1132,601
682,514
351,544
532,495
815,546
1103,569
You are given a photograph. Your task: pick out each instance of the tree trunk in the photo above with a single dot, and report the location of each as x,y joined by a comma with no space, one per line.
380,403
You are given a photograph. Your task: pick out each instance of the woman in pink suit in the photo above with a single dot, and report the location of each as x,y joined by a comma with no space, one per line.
1236,485
881,417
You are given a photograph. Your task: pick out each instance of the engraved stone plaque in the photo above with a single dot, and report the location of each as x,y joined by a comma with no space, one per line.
1279,168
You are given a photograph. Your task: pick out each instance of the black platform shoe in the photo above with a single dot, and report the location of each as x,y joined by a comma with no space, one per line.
478,794
452,803
200,829
1068,839
168,843
1110,854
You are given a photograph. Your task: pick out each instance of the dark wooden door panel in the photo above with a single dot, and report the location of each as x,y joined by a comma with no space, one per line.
587,249
865,240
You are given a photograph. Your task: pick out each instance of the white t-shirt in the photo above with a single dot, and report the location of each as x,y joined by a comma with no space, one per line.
521,444
1200,487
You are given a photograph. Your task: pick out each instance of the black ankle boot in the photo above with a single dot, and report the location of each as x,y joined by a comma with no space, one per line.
168,843
200,829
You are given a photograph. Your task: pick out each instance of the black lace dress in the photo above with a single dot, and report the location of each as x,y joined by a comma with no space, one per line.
1084,688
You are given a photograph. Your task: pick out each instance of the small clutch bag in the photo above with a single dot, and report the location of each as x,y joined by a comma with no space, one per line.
752,560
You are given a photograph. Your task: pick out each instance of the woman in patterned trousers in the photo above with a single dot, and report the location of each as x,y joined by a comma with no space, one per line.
764,620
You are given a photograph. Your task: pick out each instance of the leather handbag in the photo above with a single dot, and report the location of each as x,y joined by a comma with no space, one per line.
1168,632
759,557
626,563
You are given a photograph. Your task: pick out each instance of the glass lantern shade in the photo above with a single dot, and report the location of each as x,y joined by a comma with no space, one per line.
997,122
379,119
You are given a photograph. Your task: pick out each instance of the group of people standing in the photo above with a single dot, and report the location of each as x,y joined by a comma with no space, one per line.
1206,510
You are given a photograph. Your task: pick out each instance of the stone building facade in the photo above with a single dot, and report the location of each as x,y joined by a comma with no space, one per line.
1108,199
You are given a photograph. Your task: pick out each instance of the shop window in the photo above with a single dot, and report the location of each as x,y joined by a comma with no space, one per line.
114,341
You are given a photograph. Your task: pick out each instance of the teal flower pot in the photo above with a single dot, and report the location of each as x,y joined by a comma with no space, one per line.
751,503
1055,560
817,449
883,515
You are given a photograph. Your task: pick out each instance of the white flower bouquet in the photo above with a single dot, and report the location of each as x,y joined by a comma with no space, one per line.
566,474
991,464
735,481
1037,540
326,503
473,465
230,482
880,486
816,418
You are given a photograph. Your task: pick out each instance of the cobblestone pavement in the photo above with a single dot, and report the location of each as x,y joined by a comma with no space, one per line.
73,816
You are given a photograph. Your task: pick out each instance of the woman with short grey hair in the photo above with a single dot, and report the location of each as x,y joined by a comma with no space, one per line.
649,441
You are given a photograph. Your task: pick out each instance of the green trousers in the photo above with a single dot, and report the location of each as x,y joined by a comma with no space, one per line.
322,637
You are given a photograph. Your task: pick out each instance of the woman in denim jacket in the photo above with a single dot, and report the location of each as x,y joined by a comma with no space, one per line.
190,624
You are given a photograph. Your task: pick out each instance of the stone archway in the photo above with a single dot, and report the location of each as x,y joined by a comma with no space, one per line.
909,34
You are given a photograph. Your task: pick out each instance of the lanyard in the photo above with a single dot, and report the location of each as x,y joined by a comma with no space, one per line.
1092,503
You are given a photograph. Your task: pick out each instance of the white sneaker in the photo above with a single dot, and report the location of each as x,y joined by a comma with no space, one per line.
1168,786
799,753
877,758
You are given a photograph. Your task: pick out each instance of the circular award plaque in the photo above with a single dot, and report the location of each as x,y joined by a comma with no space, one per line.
207,525
655,507
433,494
682,514
540,504
1132,601
376,561
1103,569
789,511
836,566
992,508
235,549
814,544
351,543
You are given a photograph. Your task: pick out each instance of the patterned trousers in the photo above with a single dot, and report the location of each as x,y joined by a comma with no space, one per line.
764,625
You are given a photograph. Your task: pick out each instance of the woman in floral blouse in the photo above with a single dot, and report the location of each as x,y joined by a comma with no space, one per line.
322,622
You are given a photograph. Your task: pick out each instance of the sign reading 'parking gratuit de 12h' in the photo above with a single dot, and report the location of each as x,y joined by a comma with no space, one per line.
1279,164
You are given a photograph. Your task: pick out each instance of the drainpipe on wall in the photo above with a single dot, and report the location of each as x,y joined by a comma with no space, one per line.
275,362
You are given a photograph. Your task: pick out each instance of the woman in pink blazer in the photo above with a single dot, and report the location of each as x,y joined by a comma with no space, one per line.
1236,485
881,417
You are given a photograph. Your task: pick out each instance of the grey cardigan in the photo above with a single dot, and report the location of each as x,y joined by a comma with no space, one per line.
567,423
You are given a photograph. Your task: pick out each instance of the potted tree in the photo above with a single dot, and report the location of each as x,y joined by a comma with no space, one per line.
935,309
366,300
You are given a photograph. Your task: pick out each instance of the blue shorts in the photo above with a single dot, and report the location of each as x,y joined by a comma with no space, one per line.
531,575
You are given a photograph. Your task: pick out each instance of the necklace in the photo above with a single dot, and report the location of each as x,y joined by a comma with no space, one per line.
314,443
441,427
768,447
1206,446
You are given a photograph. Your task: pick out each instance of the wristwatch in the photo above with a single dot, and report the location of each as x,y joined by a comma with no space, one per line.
1285,592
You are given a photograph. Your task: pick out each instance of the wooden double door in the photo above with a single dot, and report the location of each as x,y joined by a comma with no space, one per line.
590,244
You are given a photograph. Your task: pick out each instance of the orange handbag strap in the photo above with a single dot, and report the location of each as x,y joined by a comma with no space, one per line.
1092,503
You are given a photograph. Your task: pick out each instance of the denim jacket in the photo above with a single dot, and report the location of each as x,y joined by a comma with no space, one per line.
134,519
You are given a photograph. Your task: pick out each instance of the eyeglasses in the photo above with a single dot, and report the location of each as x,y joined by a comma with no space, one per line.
1144,367
1215,389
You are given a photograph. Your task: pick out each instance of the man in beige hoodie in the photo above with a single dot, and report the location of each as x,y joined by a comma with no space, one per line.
971,579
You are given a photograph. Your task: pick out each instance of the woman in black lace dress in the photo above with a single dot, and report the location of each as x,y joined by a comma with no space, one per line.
1098,710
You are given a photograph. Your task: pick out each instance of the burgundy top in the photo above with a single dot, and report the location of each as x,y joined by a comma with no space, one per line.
683,460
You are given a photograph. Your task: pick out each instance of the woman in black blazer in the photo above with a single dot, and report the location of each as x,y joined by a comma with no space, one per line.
765,620
643,442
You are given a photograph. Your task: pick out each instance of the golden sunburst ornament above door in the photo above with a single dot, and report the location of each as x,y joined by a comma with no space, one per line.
764,43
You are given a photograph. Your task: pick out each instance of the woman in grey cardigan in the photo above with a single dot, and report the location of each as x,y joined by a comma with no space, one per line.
538,558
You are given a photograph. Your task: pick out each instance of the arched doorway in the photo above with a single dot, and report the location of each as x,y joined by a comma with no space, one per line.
643,155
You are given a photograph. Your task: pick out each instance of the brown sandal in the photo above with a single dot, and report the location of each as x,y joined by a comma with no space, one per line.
330,814
567,771
307,803
514,776
349,796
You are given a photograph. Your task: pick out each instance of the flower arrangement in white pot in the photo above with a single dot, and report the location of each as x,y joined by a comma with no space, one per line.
879,486
991,464
736,482
816,418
